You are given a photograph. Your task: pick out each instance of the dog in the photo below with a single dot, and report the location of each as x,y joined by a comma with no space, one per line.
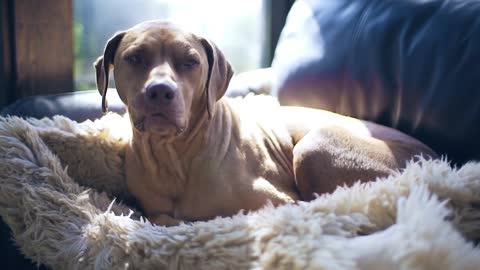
195,155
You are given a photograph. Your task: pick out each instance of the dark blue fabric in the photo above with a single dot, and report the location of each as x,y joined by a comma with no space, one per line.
409,64
78,106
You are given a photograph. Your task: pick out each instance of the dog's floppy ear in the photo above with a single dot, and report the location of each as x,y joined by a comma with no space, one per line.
103,65
219,74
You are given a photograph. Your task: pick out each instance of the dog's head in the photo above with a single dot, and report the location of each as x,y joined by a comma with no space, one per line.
168,78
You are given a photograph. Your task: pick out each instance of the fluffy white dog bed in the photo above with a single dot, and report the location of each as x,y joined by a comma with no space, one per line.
58,179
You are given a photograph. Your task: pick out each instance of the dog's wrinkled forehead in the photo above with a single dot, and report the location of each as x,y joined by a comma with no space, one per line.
159,35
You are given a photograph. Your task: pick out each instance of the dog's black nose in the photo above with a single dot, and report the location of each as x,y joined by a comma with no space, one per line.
161,91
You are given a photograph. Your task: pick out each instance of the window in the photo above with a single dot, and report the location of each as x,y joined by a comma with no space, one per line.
237,27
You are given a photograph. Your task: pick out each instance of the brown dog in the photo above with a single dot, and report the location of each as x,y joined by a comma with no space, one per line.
195,154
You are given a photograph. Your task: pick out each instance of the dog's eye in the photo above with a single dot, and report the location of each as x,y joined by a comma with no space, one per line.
134,59
190,64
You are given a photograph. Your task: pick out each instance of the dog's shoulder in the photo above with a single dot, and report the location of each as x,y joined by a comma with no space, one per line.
258,116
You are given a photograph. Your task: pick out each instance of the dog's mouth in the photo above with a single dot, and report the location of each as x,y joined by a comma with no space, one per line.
159,123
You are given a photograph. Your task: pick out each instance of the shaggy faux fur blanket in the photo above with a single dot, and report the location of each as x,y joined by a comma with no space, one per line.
58,179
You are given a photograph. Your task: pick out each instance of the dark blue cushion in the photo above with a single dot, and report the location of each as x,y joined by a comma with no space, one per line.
78,106
409,64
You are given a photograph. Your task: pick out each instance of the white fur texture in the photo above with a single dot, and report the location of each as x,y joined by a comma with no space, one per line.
58,179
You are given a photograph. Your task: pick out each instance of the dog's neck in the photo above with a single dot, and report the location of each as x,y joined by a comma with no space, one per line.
177,154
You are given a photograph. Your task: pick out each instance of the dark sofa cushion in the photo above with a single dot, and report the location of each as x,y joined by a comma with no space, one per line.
78,106
409,64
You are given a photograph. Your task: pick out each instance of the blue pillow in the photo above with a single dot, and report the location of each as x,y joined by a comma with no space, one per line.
413,65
